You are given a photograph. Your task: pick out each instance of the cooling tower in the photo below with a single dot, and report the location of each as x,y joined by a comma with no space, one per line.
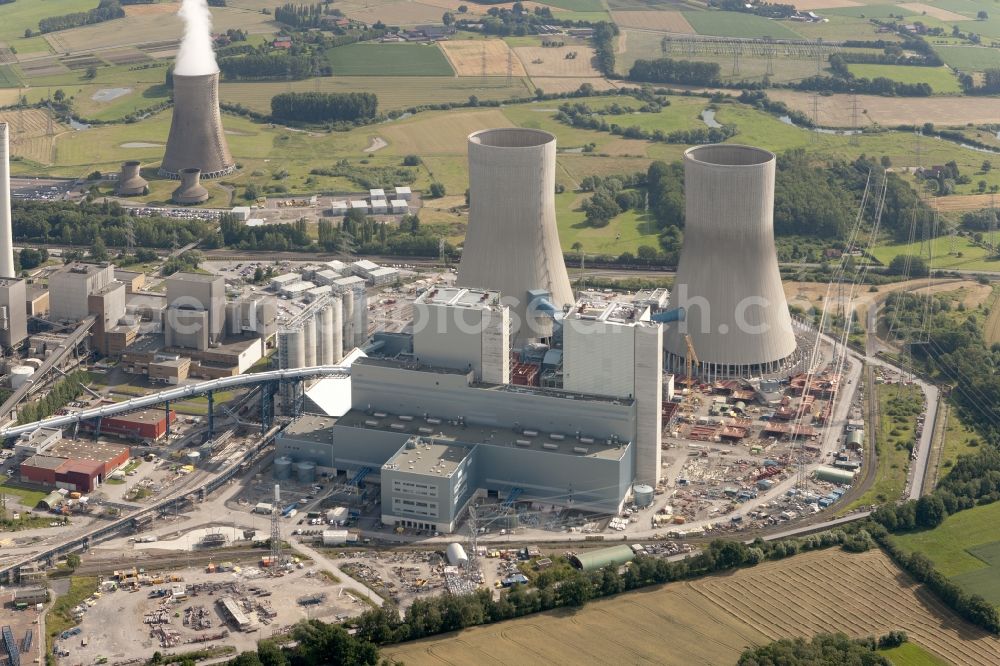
130,182
727,278
6,232
512,244
190,191
196,136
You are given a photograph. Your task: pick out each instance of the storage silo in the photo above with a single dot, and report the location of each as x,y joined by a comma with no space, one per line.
512,243
347,300
727,277
360,317
305,471
282,468
193,458
309,341
19,375
337,329
291,348
643,494
325,336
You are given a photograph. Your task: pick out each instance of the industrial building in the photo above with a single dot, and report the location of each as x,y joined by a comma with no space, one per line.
196,310
728,283
72,285
146,425
13,315
79,466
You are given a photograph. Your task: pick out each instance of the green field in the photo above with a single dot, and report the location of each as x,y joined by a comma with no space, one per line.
965,549
9,78
21,15
911,654
738,24
969,58
577,5
28,498
868,11
389,60
940,79
972,256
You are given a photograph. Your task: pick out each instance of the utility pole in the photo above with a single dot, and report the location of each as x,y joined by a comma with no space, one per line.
854,119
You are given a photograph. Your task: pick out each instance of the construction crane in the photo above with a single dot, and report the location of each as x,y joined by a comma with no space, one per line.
690,360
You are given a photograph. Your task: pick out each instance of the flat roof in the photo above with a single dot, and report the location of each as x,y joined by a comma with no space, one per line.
44,462
619,312
82,466
194,277
444,432
428,456
87,450
481,298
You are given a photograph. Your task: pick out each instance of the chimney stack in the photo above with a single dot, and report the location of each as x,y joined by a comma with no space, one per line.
6,230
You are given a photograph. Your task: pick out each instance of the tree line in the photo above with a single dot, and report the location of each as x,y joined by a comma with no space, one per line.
844,81
63,391
106,10
604,47
824,650
765,9
300,16
316,107
255,67
669,70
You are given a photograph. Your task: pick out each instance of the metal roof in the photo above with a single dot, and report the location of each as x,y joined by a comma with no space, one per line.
603,557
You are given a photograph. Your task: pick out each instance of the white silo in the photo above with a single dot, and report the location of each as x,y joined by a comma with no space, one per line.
309,340
19,375
291,348
512,242
727,278
360,317
324,336
347,300
337,330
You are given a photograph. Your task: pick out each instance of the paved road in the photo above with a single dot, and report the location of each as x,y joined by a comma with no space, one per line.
328,563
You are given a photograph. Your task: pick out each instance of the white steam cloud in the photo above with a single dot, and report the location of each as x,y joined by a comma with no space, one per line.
196,56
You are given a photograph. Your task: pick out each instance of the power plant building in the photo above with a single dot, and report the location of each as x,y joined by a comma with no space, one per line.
728,281
72,285
197,139
512,244
13,315
196,310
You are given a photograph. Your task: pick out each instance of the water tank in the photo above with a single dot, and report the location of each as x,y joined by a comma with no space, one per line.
309,341
643,494
305,471
19,375
282,468
193,458
456,555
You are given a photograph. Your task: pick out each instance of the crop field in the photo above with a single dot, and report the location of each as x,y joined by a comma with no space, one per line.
940,13
940,79
389,60
738,24
28,134
147,28
467,55
972,256
812,5
577,5
965,549
835,110
991,330
396,13
911,654
19,16
393,92
158,9
9,78
569,84
711,620
969,58
666,21
553,62
875,10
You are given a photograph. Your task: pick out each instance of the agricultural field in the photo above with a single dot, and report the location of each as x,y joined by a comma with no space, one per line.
969,58
738,24
19,16
389,60
393,92
941,79
666,21
835,110
467,57
966,256
29,138
991,330
401,13
9,77
576,60
965,549
432,135
911,654
711,620
940,13
569,84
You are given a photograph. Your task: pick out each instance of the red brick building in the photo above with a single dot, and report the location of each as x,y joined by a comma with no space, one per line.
74,465
147,425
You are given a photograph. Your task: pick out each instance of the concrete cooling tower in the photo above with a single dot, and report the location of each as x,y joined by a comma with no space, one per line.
727,278
196,138
190,191
130,182
512,243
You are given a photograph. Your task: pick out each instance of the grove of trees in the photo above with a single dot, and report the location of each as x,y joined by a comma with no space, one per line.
317,107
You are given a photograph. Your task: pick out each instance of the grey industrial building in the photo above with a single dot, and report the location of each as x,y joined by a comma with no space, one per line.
13,314
196,310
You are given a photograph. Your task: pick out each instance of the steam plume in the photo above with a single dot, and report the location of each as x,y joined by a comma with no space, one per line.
196,56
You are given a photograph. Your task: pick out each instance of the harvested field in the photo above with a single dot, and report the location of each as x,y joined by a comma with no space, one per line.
125,56
28,134
42,67
991,331
711,620
835,110
960,203
665,21
168,7
441,134
466,57
398,13
568,84
552,62
935,12
811,5
453,5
